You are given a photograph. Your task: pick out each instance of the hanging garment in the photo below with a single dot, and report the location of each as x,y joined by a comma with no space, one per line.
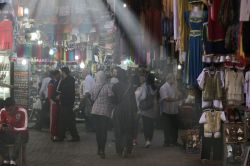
182,7
229,12
234,84
212,47
212,122
231,40
176,21
245,10
194,60
167,31
247,88
246,37
240,52
6,35
211,85
216,32
167,7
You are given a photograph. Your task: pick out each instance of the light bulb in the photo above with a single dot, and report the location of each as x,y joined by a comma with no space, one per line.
26,11
34,36
124,5
76,57
40,42
51,52
24,62
179,67
82,65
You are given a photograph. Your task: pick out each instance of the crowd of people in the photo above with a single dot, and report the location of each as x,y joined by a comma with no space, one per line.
119,99
124,98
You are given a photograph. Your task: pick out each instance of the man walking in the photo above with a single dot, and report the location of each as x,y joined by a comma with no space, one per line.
66,97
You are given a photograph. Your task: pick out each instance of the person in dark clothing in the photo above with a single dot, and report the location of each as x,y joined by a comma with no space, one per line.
1,104
66,97
124,114
149,114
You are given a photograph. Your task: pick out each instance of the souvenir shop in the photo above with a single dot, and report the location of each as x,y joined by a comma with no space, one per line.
212,41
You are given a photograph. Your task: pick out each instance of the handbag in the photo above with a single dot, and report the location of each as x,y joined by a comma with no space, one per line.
93,101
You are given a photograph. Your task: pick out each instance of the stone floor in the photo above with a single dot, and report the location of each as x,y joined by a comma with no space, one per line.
42,152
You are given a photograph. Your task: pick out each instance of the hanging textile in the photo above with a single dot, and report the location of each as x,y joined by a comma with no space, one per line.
167,8
182,7
211,84
153,25
213,47
167,31
194,60
72,55
215,30
234,84
20,51
27,51
240,44
247,88
39,52
6,35
245,10
246,37
176,20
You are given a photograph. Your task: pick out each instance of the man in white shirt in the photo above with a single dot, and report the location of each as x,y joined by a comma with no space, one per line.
43,118
87,87
169,110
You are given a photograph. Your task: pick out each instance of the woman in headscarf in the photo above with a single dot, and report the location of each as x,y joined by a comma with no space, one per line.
148,113
101,110
124,114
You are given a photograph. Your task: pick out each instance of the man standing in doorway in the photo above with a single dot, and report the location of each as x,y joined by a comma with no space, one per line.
66,97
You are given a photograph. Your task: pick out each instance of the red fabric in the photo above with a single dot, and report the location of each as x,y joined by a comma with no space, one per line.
215,31
20,51
67,56
54,119
6,35
39,52
53,111
18,120
153,25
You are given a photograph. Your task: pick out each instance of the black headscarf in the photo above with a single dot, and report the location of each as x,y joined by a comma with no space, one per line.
122,75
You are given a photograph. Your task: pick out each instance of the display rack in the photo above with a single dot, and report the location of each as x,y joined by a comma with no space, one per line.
4,77
21,82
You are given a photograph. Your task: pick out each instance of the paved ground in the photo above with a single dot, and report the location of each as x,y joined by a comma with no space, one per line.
42,152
